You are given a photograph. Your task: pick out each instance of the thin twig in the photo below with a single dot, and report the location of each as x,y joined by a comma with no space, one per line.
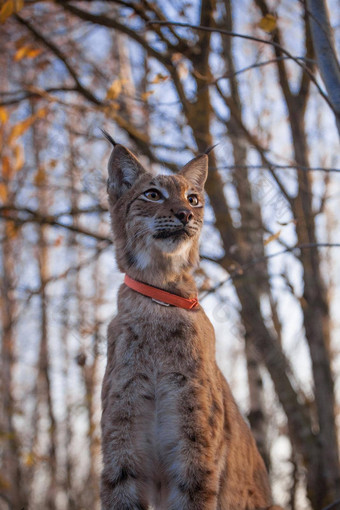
37,217
71,269
42,93
61,56
250,38
250,67
242,268
280,167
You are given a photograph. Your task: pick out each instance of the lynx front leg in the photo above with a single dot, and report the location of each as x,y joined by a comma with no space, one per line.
121,482
123,476
121,491
194,477
195,492
190,450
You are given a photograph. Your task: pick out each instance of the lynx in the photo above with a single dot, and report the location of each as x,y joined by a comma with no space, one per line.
172,435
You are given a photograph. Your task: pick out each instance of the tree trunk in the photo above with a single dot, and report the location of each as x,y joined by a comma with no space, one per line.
325,52
268,346
316,322
12,486
44,389
249,244
323,474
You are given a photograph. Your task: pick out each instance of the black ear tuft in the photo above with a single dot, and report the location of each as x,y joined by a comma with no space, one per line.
108,137
209,149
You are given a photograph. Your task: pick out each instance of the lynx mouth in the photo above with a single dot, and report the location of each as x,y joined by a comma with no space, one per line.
175,234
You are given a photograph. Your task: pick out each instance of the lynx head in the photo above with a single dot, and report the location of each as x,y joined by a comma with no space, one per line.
156,220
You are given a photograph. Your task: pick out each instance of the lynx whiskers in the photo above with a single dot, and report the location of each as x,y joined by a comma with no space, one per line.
172,436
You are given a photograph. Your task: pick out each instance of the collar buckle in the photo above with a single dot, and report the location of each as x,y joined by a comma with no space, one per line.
160,302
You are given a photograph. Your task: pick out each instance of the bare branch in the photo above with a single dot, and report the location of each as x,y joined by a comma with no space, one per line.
37,217
282,167
133,34
252,38
238,273
105,21
58,53
252,140
69,270
28,94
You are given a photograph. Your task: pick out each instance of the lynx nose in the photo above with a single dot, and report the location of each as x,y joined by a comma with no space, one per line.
184,215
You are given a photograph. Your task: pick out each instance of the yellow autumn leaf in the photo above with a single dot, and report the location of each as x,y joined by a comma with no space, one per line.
30,459
3,192
9,7
33,52
40,176
273,237
3,115
267,23
20,128
115,89
19,157
6,10
26,52
159,78
52,163
21,53
12,230
40,114
145,95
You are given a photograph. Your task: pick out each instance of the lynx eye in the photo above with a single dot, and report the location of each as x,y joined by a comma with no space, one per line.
153,195
193,200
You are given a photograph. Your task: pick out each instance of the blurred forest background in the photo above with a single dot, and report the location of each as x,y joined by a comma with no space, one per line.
255,82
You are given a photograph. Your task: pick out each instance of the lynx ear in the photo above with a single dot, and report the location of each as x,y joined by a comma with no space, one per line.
124,169
196,171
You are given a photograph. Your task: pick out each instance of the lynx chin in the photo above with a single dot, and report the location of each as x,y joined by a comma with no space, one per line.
172,436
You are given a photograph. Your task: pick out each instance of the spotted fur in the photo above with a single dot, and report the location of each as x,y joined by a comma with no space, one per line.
172,436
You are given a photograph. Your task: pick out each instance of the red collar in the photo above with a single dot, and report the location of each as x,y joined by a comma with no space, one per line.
161,296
